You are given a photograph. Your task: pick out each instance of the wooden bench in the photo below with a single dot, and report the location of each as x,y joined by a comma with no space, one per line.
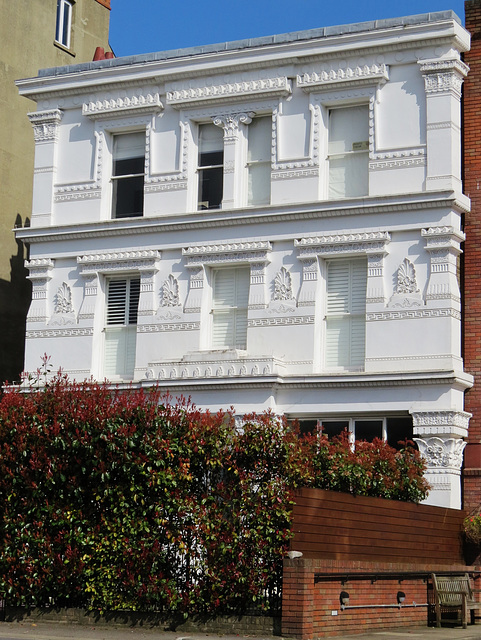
454,592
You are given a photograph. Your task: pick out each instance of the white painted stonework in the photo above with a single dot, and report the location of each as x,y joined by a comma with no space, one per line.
344,297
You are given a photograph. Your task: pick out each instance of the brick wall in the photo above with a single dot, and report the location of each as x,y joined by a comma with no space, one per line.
472,254
312,610
337,533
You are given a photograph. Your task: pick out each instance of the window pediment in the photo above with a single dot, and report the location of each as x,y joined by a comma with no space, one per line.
353,76
251,252
342,244
132,104
119,261
180,98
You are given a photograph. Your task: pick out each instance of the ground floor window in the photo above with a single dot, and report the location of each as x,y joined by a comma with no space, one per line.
393,429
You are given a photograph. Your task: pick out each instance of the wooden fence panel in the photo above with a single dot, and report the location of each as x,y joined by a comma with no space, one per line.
334,525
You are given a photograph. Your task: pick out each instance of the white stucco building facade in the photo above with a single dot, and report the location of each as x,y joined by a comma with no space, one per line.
264,224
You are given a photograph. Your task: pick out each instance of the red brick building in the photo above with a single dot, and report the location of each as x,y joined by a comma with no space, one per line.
472,254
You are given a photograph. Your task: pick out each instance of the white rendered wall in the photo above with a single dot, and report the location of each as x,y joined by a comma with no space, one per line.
406,228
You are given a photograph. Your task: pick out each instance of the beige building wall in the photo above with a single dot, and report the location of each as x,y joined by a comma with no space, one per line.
27,43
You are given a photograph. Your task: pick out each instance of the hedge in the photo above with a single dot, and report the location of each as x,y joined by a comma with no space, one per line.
129,500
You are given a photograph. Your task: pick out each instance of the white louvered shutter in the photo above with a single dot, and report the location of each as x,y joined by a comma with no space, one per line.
121,327
346,313
230,300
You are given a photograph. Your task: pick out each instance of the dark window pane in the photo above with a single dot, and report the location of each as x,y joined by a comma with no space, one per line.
368,429
65,27
128,166
211,158
57,26
334,428
307,426
398,429
134,300
128,197
117,293
210,188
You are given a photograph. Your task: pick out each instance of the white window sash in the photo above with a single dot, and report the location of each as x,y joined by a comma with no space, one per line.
348,152
64,22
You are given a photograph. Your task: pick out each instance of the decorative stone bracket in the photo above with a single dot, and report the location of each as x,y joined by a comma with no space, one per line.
40,273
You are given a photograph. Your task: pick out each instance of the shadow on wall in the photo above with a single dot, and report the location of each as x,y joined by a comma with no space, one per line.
14,303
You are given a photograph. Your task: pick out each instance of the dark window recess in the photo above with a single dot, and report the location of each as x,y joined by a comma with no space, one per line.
368,429
128,175
129,189
211,166
334,428
398,429
123,301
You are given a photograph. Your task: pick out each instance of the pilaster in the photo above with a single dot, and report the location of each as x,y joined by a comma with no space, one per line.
45,130
441,445
234,151
443,246
442,81
40,273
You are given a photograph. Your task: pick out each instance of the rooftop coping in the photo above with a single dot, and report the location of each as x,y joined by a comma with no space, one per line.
263,41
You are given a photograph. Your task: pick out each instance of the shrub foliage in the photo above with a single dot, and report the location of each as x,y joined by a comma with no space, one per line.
126,500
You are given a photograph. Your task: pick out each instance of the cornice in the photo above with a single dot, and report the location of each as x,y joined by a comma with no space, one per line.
258,56
235,217
336,381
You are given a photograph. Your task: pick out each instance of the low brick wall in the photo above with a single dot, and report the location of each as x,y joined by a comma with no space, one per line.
243,625
313,610
367,547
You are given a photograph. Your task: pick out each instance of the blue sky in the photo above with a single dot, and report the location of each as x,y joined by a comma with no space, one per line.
144,26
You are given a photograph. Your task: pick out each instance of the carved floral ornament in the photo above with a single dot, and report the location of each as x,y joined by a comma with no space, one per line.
230,122
406,292
45,124
442,453
170,292
63,307
63,299
443,76
282,286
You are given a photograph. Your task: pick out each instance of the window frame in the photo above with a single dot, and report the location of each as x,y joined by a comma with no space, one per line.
218,309
347,153
116,180
256,163
345,316
125,331
351,422
200,168
63,24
